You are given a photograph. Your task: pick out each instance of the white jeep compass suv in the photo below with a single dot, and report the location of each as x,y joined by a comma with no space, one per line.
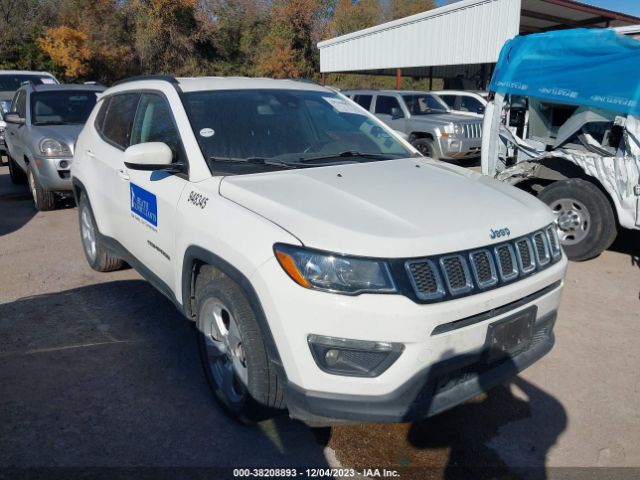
329,268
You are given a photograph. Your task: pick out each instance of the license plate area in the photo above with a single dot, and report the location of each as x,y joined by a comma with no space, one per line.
510,336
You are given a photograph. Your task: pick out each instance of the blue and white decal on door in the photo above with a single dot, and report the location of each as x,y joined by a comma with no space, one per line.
144,204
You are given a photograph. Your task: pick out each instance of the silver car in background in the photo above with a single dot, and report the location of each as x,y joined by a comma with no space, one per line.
431,127
42,127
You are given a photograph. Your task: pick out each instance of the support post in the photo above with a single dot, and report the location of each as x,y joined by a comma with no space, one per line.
430,78
398,78
323,79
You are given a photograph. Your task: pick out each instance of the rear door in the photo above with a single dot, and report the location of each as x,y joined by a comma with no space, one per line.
109,192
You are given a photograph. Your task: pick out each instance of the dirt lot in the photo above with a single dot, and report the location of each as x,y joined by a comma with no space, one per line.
101,370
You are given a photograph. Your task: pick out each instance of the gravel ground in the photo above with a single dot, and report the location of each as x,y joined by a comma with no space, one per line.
101,370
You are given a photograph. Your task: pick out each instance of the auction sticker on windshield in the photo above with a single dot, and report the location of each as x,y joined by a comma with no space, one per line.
342,105
144,204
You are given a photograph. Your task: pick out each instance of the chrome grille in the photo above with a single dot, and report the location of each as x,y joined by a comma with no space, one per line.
462,273
506,262
473,130
483,268
425,279
456,274
526,261
542,249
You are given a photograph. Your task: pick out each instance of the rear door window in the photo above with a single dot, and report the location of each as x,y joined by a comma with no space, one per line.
384,104
363,100
118,120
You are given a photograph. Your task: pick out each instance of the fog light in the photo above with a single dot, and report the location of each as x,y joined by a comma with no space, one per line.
357,358
64,164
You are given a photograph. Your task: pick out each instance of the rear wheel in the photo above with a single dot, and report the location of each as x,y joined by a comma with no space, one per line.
98,257
426,147
232,349
43,199
18,177
585,221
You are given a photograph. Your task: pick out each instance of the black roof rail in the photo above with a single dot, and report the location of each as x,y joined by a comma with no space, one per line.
165,78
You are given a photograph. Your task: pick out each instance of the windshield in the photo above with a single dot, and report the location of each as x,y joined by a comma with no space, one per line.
424,104
11,82
61,107
301,128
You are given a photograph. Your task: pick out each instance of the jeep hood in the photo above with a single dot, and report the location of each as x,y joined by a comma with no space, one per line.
394,209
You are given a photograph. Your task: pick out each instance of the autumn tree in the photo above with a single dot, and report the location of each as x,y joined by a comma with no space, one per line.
404,8
350,16
289,48
68,49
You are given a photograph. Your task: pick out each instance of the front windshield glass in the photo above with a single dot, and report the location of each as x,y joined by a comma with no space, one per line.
296,127
424,104
10,82
62,107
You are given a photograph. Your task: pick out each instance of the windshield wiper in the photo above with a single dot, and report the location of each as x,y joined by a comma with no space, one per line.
347,154
256,161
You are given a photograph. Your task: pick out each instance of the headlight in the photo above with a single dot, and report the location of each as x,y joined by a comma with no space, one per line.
457,129
51,147
334,273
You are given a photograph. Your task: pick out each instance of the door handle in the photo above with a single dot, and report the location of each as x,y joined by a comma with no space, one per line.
90,154
123,174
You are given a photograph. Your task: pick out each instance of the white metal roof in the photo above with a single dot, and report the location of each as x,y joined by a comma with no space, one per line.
469,32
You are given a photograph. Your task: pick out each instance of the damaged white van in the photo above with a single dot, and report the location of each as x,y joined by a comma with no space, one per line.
564,124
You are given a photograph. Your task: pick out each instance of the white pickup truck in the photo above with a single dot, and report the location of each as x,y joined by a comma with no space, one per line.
329,267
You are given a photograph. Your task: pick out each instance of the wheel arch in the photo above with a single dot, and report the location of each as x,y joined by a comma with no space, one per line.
554,170
194,259
419,134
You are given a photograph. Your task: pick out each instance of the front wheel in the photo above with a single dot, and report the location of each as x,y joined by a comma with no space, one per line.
232,349
585,221
43,199
426,147
15,172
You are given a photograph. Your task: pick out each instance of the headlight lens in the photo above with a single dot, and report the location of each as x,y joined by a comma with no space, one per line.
335,273
50,147
457,129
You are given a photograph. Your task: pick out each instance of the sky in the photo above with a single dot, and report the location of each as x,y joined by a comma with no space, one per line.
625,6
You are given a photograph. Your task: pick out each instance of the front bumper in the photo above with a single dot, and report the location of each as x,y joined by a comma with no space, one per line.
53,174
456,148
294,313
433,390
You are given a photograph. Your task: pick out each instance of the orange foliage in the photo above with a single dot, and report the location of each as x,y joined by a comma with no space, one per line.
68,49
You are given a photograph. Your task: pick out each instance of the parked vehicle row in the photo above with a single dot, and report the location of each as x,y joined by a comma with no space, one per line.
431,127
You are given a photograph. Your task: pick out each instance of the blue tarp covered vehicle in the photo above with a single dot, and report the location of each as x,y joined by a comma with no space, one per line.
564,124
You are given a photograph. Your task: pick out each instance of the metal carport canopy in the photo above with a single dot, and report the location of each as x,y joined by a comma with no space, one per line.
470,32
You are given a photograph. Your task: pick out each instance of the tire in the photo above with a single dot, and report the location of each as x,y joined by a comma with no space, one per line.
18,177
426,147
232,350
43,199
98,257
585,220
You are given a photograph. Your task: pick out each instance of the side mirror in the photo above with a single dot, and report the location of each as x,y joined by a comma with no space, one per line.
151,156
14,118
397,112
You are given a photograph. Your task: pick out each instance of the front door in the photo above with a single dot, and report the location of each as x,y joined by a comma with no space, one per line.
389,110
149,227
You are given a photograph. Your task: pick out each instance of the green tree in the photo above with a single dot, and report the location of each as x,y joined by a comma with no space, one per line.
404,8
350,16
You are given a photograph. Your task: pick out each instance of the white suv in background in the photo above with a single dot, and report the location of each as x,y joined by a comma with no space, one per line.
465,102
330,269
